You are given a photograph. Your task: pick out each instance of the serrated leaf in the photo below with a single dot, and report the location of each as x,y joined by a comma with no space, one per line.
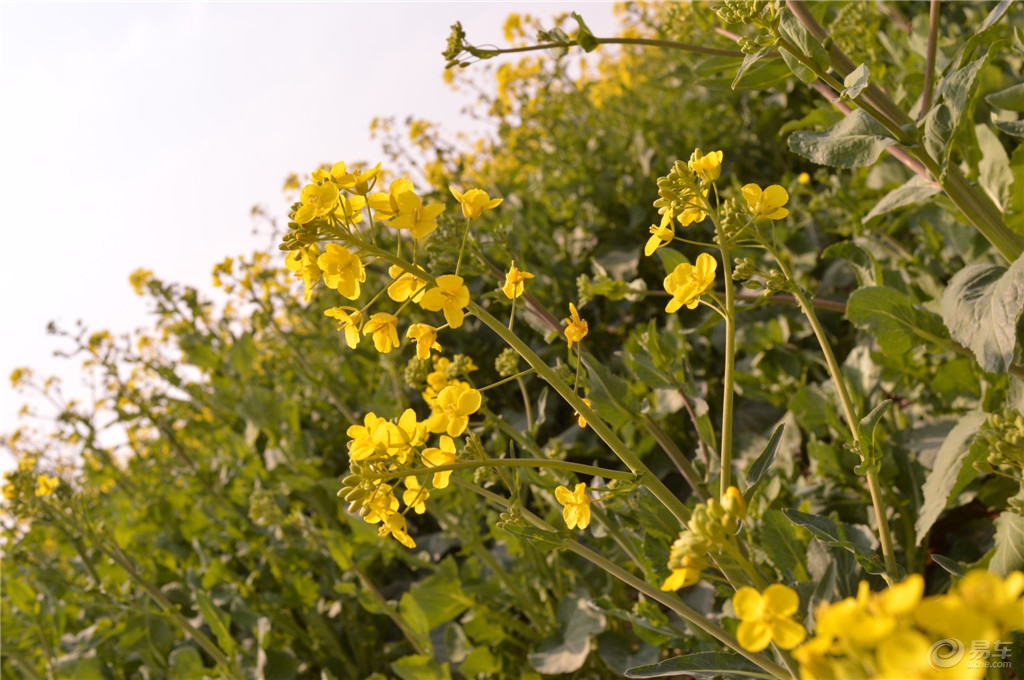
980,308
1009,545
916,190
866,431
701,665
856,141
893,320
943,480
757,470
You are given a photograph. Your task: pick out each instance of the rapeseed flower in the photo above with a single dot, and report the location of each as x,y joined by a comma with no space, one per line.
661,235
576,328
576,512
444,454
317,201
767,617
343,270
419,219
515,282
767,203
455,403
449,296
350,321
706,166
46,485
475,202
406,285
425,337
302,261
384,327
685,575
688,282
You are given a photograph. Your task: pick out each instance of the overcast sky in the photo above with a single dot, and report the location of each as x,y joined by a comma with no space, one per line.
141,134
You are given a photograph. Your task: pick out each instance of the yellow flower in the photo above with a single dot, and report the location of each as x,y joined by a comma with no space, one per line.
579,416
317,201
394,525
415,496
349,210
576,328
385,205
515,282
357,182
46,485
342,270
419,219
369,439
661,235
767,203
766,617
708,167
449,296
455,403
352,323
688,282
733,503
576,512
803,178
139,278
686,575
475,202
425,337
406,285
302,261
436,457
384,327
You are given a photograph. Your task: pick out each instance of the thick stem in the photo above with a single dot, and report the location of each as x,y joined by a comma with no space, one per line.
728,377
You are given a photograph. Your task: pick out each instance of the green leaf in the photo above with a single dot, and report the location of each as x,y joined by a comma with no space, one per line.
763,462
701,665
866,430
1014,128
917,190
1009,549
950,566
856,141
567,649
420,667
440,596
584,38
186,663
219,622
22,596
793,30
994,173
782,541
980,308
950,472
748,64
1010,99
839,535
855,82
896,324
671,258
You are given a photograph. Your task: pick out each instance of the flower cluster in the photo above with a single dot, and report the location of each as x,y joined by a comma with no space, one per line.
381,450
898,633
711,529
683,196
1001,441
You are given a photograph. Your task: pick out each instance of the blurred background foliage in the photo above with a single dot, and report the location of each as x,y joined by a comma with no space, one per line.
196,526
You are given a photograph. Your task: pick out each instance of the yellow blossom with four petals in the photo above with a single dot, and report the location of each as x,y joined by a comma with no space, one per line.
576,328
515,282
475,202
767,203
688,282
449,296
767,617
576,510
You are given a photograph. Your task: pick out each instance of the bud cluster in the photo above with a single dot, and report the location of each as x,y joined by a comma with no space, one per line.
711,527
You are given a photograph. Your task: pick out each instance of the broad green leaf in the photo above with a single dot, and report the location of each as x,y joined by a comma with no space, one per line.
701,665
856,141
945,481
186,663
866,431
1010,99
1009,549
793,30
895,322
938,131
781,540
85,668
22,596
420,667
917,190
757,470
440,596
219,622
619,654
980,308
567,649
748,64
671,258
480,662
1014,128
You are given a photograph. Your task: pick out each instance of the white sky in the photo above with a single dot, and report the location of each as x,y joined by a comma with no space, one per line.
141,134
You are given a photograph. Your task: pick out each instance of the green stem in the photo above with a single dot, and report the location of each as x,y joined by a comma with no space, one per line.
849,412
670,600
625,454
677,457
728,378
568,466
